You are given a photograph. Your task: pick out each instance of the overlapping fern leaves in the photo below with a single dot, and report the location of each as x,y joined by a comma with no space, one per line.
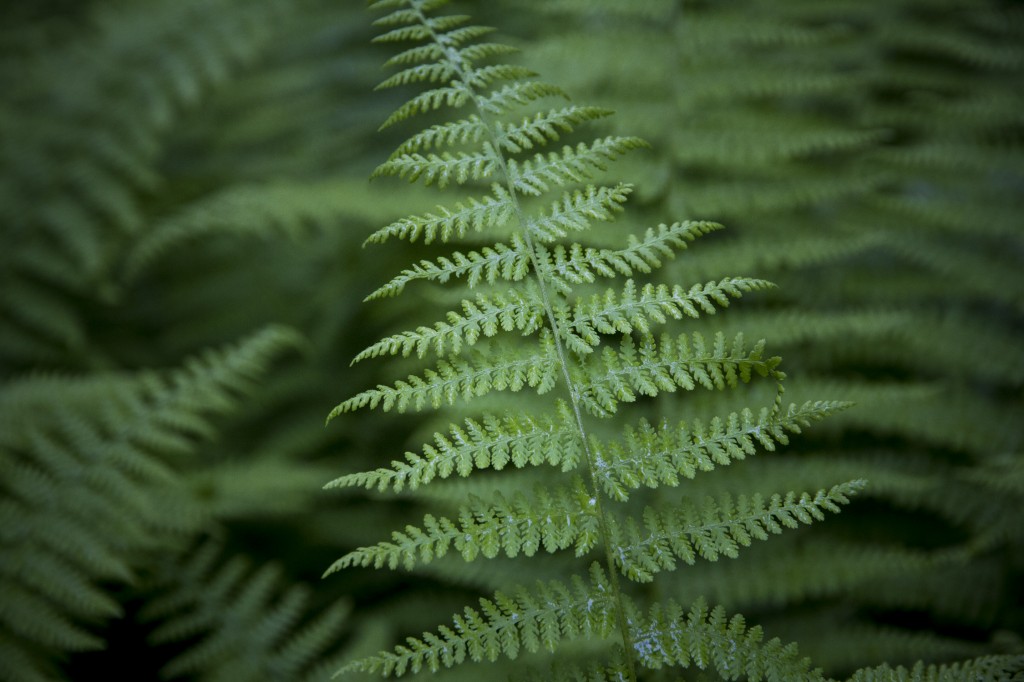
543,321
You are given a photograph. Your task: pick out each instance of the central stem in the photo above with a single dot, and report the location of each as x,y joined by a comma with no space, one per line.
540,268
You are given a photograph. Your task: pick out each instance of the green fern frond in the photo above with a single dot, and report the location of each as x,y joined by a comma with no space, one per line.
627,311
491,443
87,490
667,364
500,261
451,224
708,639
534,177
247,622
457,379
505,626
578,265
551,519
483,316
548,316
575,210
716,528
654,456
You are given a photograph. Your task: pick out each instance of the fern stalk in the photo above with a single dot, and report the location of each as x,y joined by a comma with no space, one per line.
540,267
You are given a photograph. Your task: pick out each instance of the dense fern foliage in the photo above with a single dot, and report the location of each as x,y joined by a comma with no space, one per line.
183,194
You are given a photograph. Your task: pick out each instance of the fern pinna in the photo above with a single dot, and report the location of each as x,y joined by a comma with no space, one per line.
538,321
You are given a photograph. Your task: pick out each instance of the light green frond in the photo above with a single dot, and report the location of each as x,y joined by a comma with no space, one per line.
466,131
518,94
489,211
491,443
485,76
551,519
579,265
416,74
654,456
668,364
505,626
716,528
574,211
624,312
459,168
536,176
484,316
708,639
453,96
545,127
491,263
989,668
458,379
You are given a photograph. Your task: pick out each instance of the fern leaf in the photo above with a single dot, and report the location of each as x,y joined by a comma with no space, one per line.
509,263
579,265
490,443
460,168
455,379
537,176
707,638
490,211
453,96
544,127
655,456
524,620
575,210
627,311
669,364
484,316
509,96
465,131
244,621
553,520
716,528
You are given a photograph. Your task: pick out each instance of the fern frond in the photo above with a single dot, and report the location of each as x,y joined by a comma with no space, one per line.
484,316
533,177
518,94
575,211
509,263
456,379
654,456
490,211
453,96
544,127
708,638
667,364
505,626
490,443
460,167
552,519
716,528
578,265
627,311
246,620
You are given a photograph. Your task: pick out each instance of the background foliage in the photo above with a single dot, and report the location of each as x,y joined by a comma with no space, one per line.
182,205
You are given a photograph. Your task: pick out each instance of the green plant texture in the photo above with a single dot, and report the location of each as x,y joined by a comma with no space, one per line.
564,451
